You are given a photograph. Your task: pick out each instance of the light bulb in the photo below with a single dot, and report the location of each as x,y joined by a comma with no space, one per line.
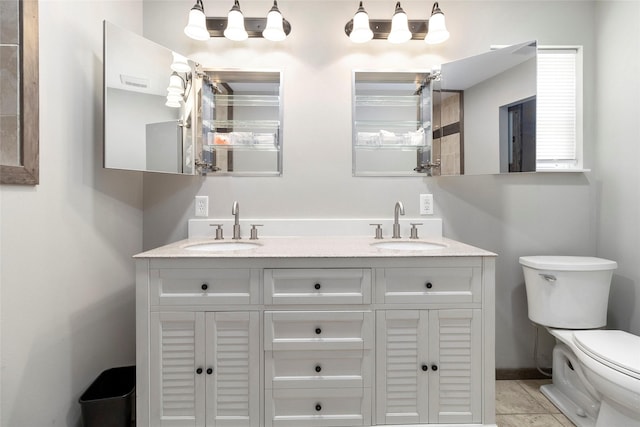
274,31
399,27
197,26
361,32
235,24
437,30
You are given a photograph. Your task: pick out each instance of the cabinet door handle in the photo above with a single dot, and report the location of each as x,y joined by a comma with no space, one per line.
317,286
434,367
429,285
199,371
318,407
318,368
209,371
204,286
318,331
425,368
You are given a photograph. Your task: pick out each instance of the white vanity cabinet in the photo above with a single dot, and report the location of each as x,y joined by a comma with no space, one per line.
204,368
315,341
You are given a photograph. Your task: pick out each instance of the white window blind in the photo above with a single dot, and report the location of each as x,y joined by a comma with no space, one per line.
557,108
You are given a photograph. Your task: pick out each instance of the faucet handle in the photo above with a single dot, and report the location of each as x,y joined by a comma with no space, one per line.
254,231
219,231
414,230
378,230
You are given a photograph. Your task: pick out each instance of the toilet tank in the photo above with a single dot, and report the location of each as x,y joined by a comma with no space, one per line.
568,292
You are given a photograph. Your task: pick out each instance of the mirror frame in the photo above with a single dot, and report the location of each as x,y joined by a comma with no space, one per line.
28,173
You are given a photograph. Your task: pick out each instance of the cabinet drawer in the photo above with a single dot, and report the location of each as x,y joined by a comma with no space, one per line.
317,369
204,286
317,286
323,407
318,330
430,285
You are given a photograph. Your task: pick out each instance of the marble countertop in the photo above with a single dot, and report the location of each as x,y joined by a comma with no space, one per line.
314,247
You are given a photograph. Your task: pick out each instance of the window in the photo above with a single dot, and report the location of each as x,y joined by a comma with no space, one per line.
559,108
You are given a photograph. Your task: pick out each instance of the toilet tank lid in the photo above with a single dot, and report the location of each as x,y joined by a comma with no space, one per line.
568,263
617,349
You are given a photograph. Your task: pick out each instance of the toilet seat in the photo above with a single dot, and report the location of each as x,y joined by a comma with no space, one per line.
618,350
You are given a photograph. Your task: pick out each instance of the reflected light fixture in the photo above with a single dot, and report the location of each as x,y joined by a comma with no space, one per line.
399,26
235,24
399,29
197,25
274,30
180,63
437,30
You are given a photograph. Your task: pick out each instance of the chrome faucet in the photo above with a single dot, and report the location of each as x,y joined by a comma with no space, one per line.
235,211
399,209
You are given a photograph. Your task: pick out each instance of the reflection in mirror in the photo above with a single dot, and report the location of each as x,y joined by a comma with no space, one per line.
391,123
241,122
485,113
148,105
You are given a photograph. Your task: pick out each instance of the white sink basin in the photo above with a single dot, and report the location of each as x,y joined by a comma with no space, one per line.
222,246
405,245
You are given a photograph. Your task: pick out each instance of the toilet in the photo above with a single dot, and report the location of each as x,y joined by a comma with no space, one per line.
596,372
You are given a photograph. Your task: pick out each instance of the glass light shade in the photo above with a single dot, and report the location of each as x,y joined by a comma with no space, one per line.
173,100
176,85
180,63
172,103
235,24
437,32
399,27
274,31
361,32
197,26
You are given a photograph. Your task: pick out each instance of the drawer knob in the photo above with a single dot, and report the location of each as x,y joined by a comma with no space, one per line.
318,407
199,371
204,286
318,368
318,331
209,371
425,368
317,286
429,285
434,367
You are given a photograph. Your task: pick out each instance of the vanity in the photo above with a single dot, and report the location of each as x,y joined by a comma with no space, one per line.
315,331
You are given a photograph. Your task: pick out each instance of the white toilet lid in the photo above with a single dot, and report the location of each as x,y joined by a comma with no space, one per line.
617,349
568,263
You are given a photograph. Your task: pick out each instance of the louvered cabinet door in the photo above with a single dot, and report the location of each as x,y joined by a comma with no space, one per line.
232,369
455,348
402,393
177,388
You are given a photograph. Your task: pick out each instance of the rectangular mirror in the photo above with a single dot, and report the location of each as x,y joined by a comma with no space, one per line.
148,105
241,122
485,113
391,126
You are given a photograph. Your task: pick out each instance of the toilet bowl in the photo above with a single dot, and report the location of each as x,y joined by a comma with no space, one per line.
596,372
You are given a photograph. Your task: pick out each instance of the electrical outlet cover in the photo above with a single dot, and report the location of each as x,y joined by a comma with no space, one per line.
202,205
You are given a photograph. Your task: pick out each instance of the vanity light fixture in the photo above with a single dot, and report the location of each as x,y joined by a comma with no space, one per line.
361,32
399,26
437,30
197,25
236,26
399,29
180,64
178,89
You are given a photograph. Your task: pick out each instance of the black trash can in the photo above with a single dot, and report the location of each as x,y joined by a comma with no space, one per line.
108,401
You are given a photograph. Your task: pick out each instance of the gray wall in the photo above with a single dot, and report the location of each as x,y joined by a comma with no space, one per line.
528,214
66,274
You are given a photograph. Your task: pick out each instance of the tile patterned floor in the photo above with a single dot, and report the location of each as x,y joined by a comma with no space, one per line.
520,403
